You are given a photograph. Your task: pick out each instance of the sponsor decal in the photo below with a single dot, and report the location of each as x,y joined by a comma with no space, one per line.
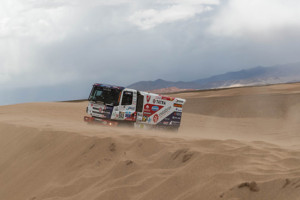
178,109
139,117
172,120
109,107
167,119
121,115
147,108
130,116
177,114
127,115
165,111
128,93
177,105
155,108
99,115
167,98
179,101
144,118
176,118
155,118
148,98
150,109
158,101
104,108
130,108
102,111
134,101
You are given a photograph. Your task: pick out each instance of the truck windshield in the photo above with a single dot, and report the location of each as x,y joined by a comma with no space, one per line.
105,95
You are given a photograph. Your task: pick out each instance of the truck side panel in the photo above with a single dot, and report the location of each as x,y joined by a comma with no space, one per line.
161,111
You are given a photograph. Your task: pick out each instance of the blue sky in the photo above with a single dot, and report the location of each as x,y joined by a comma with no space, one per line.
62,44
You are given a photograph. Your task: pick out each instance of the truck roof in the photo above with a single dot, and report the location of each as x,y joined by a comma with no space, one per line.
109,86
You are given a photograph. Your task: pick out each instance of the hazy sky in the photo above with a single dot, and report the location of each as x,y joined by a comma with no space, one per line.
56,43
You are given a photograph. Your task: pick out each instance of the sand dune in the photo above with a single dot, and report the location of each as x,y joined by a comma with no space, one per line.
235,144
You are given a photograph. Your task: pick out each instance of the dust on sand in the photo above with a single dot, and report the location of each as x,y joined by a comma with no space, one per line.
240,143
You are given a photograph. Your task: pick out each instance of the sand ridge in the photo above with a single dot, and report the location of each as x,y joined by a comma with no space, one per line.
48,152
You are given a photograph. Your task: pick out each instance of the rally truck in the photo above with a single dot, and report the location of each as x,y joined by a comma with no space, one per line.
114,106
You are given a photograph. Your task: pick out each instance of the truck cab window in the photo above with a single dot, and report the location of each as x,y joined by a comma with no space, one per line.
98,93
140,103
127,98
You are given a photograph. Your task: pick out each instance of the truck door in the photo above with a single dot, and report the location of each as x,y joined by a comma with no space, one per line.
127,107
139,107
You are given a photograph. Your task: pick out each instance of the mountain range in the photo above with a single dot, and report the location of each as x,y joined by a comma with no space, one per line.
250,77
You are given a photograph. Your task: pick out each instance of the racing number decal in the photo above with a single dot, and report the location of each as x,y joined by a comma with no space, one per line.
121,115
155,118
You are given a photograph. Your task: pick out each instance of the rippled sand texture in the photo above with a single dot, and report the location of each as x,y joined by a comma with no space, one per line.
237,144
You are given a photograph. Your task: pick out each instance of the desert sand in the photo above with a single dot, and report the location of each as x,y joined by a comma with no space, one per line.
234,144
